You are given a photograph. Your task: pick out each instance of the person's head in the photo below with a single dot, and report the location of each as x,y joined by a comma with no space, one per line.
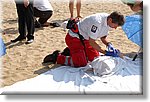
115,19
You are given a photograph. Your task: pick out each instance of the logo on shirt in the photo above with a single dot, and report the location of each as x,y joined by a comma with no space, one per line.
93,29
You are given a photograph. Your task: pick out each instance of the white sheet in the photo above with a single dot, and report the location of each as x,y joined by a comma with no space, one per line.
123,77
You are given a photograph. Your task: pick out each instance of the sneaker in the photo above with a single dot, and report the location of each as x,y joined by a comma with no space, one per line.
19,38
29,41
51,57
66,52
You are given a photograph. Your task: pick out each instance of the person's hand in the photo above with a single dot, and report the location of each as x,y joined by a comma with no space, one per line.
110,47
115,53
26,3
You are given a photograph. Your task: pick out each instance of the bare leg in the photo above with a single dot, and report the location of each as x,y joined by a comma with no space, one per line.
78,6
71,6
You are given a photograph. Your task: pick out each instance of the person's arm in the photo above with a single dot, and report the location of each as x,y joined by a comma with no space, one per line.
111,49
115,53
96,46
104,40
137,6
109,45
26,3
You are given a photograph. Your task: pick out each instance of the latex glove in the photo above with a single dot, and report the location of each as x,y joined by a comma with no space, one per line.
114,53
111,47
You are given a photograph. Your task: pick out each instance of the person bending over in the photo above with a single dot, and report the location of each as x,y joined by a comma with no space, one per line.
42,10
81,40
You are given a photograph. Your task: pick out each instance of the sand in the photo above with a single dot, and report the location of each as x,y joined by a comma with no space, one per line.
25,61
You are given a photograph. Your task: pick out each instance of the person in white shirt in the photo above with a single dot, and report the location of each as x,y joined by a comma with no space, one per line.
91,28
44,10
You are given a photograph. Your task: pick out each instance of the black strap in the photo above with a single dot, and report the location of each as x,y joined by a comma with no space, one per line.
82,41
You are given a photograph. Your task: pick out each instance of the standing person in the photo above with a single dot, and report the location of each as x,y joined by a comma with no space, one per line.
78,7
25,20
43,10
90,29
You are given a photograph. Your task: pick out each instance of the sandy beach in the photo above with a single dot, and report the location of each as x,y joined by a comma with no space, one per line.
25,61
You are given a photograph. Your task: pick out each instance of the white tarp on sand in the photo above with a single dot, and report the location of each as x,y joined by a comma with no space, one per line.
111,76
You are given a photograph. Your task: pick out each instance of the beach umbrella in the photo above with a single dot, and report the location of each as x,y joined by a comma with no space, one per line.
2,47
133,28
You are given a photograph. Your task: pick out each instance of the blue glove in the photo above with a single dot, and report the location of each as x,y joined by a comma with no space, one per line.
111,47
114,53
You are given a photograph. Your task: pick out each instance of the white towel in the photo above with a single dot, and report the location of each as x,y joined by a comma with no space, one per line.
121,76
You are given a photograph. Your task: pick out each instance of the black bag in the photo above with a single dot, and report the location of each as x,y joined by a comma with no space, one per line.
71,24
